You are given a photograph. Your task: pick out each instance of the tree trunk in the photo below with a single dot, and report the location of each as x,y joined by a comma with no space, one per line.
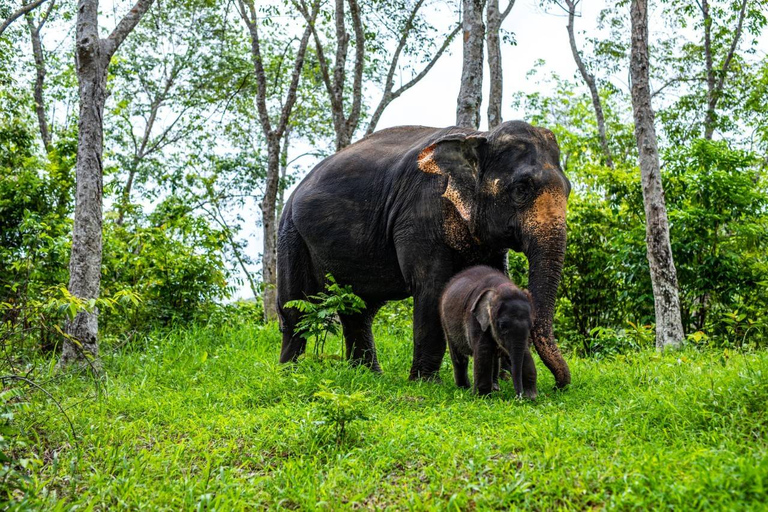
471,92
493,18
715,88
669,328
274,136
85,261
92,56
589,79
283,173
269,224
37,52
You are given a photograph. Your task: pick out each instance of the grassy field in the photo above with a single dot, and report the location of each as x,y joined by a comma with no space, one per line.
207,420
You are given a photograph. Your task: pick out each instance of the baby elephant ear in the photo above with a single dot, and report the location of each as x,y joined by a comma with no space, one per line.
455,155
481,309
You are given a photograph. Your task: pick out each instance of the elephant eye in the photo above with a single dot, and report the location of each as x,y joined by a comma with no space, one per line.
521,189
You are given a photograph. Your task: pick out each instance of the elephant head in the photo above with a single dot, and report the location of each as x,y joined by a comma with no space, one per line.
507,313
509,191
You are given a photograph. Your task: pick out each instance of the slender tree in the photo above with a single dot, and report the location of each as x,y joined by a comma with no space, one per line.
589,80
470,96
334,75
92,56
716,77
40,70
669,327
274,131
406,32
494,19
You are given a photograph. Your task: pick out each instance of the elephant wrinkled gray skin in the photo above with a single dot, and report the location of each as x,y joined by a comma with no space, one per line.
486,316
400,212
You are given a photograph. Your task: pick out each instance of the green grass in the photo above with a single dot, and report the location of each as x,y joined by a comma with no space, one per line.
206,419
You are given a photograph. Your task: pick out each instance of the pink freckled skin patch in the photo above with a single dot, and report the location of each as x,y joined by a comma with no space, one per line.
426,163
549,208
494,188
452,194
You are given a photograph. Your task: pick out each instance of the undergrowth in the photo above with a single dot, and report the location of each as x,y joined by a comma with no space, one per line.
207,419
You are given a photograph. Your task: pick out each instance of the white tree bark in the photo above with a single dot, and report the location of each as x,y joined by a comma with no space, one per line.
92,56
471,92
669,327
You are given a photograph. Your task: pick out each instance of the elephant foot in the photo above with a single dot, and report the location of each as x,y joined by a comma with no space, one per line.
424,376
371,365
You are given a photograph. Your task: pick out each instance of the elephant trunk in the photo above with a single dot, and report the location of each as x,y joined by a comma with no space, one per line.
545,253
517,354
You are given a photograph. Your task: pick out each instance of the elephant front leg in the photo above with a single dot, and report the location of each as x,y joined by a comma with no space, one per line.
428,338
485,366
361,349
460,364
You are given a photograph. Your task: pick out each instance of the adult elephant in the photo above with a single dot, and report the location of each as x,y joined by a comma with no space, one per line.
398,213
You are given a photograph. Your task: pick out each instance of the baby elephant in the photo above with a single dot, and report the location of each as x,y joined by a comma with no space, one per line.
487,317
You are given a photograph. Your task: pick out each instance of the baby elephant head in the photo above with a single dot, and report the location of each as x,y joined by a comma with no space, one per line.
508,314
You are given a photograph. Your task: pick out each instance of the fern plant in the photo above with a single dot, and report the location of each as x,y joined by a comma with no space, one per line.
320,313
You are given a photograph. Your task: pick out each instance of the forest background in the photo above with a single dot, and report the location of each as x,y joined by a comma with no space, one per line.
187,164
214,110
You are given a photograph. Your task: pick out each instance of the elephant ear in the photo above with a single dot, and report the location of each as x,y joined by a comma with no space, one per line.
482,309
455,155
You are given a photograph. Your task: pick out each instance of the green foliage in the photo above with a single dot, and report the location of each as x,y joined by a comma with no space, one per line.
718,209
717,203
207,418
320,313
396,318
16,461
338,410
173,260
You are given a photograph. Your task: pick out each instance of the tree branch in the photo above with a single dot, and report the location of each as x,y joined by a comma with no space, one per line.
299,64
21,11
732,49
589,80
357,84
390,80
387,99
506,11
258,64
126,25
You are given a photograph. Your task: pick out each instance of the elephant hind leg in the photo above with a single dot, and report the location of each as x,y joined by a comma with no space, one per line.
295,280
358,336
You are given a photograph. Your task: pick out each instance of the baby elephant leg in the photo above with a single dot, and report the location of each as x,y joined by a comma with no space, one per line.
460,363
486,358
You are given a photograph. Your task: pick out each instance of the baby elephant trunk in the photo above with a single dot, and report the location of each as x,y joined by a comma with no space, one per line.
517,354
518,328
